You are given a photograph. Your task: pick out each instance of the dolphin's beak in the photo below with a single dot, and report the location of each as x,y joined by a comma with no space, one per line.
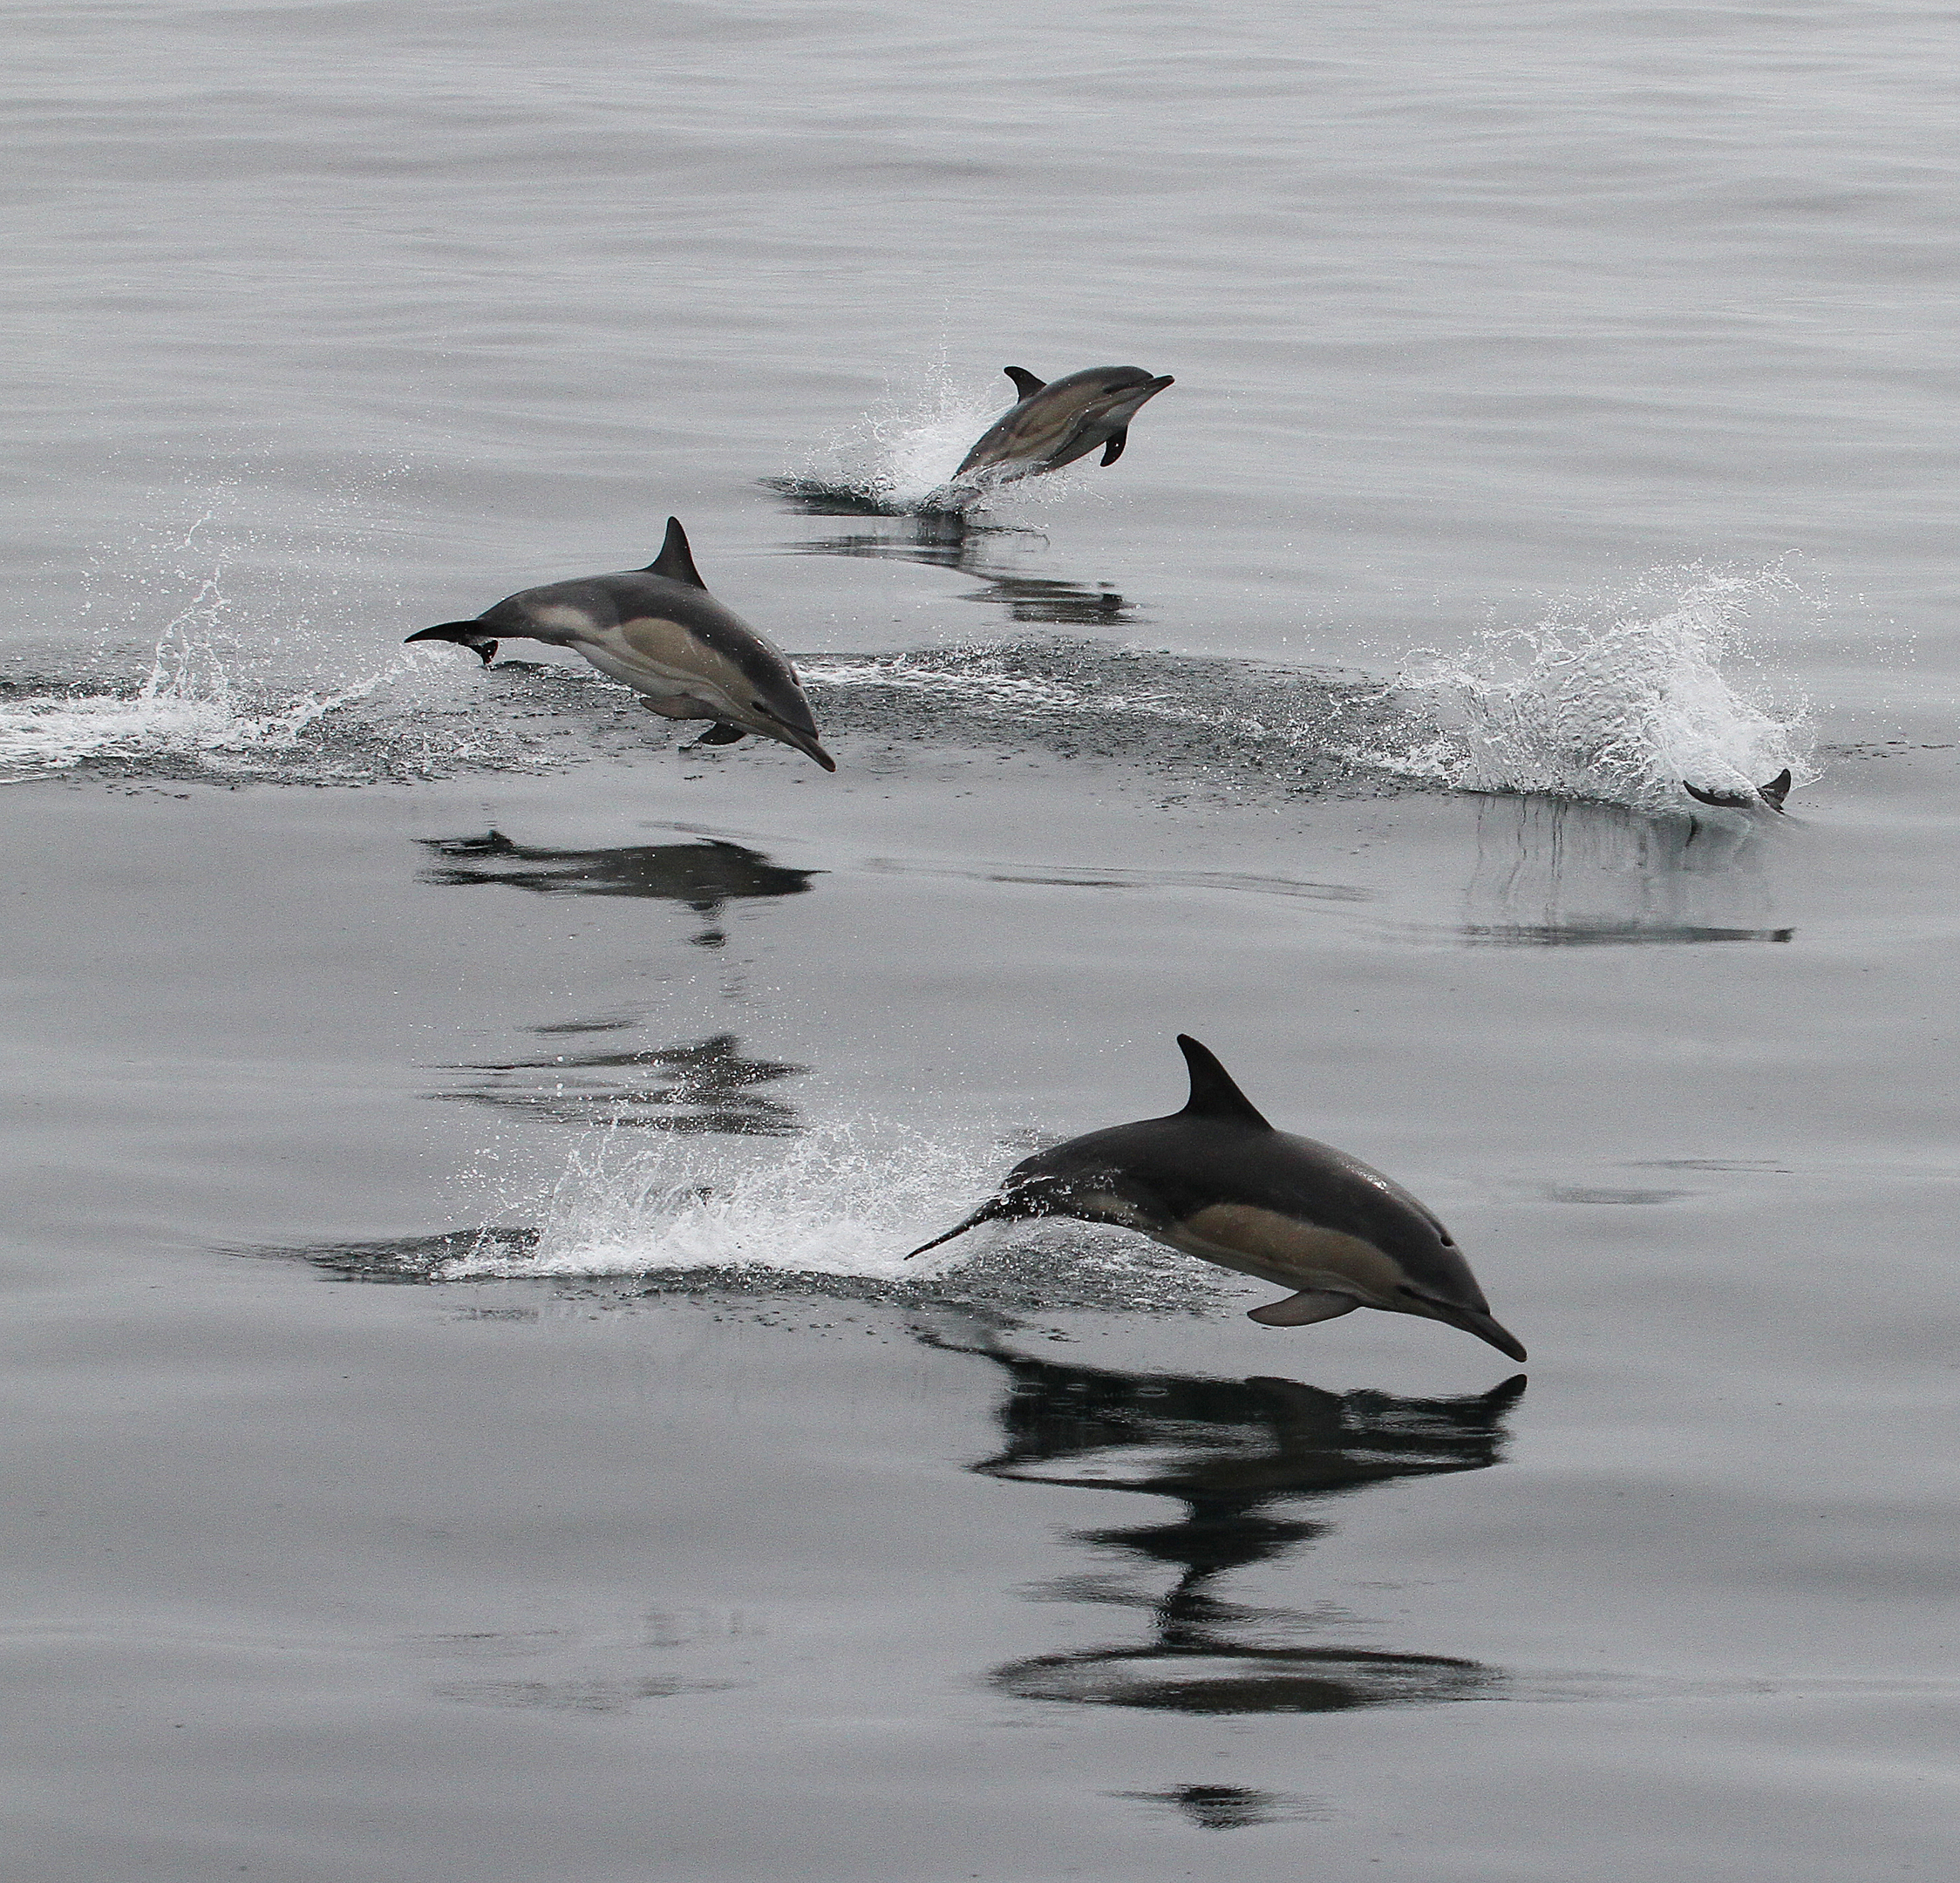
1482,1325
804,743
774,726
989,1212
1132,399
1471,1319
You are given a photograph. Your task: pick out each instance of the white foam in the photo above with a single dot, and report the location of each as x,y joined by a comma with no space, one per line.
1619,698
846,1200
189,703
901,459
831,1212
981,675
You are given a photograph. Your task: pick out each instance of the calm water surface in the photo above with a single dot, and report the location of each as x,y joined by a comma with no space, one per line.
466,1411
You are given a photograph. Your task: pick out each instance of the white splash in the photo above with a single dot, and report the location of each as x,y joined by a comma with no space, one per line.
191,701
901,460
846,1200
1621,700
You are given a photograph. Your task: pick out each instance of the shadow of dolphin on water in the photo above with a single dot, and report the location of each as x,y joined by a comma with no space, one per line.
1229,1451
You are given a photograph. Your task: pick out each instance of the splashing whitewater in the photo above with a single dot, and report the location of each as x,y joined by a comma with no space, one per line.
1621,700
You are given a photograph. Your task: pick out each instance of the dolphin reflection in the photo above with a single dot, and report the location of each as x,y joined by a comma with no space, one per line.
704,876
1558,872
1228,1451
943,540
706,1086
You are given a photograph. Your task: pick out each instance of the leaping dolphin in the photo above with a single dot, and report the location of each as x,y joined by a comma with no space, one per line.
1054,424
1218,1181
1772,794
661,632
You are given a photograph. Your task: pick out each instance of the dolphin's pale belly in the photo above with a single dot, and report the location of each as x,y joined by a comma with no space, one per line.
678,676
1284,1250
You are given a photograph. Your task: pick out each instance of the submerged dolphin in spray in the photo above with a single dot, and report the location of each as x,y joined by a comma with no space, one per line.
1217,1181
1772,794
1055,423
661,632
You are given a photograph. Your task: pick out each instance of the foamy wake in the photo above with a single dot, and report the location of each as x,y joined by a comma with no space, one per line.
1081,680
833,1211
1621,700
164,718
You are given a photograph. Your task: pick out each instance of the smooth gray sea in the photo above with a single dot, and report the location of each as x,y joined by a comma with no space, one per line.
466,1415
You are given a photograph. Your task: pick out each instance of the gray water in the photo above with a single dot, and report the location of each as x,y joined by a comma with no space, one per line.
467,1414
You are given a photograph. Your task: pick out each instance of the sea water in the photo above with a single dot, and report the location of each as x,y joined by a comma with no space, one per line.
472,1412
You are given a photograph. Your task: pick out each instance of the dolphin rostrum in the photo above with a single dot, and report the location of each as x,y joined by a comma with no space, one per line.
1217,1181
661,632
1772,794
1054,424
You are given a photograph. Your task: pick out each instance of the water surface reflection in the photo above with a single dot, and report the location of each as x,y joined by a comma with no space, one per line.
952,543
1231,1452
698,1086
1556,872
704,876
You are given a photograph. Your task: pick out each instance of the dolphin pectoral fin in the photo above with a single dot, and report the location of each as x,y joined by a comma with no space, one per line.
720,734
1025,384
1114,450
467,634
1304,1310
1776,791
675,560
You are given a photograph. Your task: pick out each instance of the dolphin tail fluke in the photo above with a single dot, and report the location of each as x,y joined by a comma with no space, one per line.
1772,794
1025,384
1716,798
467,634
1304,1309
1114,450
989,1212
1214,1094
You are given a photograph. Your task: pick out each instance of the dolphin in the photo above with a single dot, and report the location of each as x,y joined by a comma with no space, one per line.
661,632
1772,794
1054,424
1218,1181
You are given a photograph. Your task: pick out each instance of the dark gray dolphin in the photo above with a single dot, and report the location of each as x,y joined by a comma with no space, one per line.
1216,1180
1055,423
1772,794
661,632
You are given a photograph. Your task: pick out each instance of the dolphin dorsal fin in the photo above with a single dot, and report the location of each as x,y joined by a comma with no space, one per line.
675,560
1026,383
1213,1093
